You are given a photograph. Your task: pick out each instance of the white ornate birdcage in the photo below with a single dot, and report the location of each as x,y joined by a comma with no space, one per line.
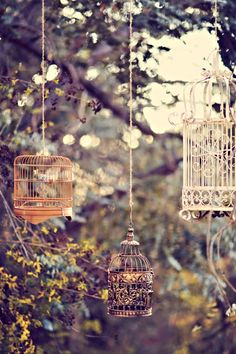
42,187
130,279
209,145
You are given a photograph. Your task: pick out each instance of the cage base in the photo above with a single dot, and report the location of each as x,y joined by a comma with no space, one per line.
130,313
37,215
196,214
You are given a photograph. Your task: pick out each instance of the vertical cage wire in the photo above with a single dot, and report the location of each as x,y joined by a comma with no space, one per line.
42,187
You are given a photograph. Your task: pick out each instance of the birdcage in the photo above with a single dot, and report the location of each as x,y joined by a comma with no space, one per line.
130,279
209,146
42,187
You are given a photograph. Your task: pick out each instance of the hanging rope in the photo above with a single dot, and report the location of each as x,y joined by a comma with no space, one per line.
216,55
216,15
43,75
131,109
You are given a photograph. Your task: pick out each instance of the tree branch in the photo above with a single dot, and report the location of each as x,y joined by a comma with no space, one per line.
94,91
107,102
162,170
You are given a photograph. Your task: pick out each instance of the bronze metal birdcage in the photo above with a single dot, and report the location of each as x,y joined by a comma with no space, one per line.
42,187
130,279
209,143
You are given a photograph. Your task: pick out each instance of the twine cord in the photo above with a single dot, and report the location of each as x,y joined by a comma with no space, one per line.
131,109
216,15
43,74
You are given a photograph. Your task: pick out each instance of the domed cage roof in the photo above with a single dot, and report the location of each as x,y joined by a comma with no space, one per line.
43,160
212,98
130,259
130,279
42,187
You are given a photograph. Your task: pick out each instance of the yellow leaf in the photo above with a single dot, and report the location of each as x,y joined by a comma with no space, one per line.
44,230
25,301
82,286
14,81
59,92
188,277
103,294
33,274
92,325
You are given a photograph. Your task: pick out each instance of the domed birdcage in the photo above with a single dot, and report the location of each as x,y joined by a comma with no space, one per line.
130,279
209,146
42,187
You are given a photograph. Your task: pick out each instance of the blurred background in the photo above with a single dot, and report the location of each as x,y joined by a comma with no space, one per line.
53,289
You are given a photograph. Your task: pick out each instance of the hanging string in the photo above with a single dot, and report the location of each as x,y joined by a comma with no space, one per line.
216,14
131,109
43,75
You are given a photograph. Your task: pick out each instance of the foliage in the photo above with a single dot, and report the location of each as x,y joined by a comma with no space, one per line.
41,289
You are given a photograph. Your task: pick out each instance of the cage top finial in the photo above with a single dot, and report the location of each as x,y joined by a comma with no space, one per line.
130,233
130,237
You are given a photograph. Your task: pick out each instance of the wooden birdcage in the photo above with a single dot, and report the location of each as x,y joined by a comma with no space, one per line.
42,187
130,279
209,146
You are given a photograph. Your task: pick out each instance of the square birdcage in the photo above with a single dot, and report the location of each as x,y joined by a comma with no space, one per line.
209,174
209,143
42,187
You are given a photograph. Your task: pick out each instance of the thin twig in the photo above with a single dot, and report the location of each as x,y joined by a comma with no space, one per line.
8,210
